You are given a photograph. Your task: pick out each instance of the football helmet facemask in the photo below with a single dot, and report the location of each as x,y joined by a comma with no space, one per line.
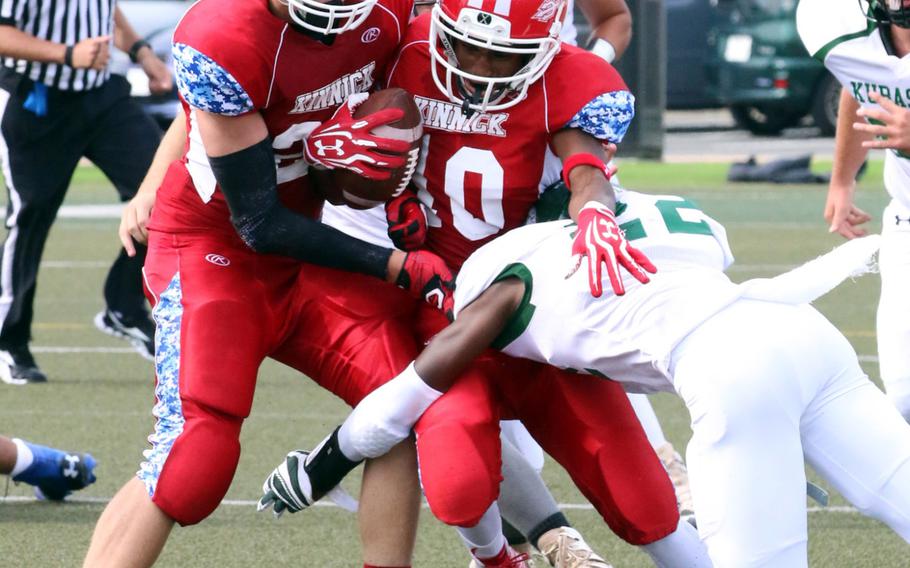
332,17
528,28
895,12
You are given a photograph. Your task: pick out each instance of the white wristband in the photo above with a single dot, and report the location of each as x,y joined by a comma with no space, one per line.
604,49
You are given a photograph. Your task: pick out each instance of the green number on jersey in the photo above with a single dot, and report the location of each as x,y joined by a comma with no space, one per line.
669,212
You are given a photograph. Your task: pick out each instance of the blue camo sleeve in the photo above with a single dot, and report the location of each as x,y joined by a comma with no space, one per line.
607,116
206,85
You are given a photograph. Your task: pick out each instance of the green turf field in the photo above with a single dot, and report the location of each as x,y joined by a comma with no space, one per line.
100,394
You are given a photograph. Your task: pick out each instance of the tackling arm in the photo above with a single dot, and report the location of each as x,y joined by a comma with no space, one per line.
385,417
454,348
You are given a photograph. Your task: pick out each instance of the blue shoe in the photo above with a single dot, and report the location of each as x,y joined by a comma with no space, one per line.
55,473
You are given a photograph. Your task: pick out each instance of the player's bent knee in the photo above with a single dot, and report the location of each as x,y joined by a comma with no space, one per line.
640,534
640,507
460,483
645,521
459,510
197,469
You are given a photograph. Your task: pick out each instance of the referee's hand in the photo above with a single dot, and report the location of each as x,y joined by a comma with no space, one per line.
92,53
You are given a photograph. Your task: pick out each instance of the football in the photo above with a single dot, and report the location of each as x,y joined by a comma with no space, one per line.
349,188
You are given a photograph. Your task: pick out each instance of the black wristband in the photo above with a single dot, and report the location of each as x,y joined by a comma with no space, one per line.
134,49
68,56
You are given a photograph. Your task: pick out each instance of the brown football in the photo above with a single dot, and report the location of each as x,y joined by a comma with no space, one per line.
359,192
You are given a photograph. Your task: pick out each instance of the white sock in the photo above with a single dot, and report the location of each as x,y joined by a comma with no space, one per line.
680,549
386,416
485,539
24,457
645,412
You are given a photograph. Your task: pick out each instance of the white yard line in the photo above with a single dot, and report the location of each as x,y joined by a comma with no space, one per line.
12,499
55,349
76,263
775,268
111,211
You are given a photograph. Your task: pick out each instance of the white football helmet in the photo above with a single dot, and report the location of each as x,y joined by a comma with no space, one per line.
524,27
332,17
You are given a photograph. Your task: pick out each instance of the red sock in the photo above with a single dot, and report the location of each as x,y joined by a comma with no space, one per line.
498,560
365,565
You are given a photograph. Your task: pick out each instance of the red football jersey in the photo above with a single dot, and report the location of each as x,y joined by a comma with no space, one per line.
233,57
479,176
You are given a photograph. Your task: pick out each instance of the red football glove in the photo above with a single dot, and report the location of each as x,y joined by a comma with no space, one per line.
407,222
427,276
602,241
346,142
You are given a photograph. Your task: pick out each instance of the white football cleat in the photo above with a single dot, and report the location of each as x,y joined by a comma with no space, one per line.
564,547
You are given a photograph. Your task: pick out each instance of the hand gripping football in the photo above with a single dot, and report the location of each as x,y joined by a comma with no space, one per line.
360,192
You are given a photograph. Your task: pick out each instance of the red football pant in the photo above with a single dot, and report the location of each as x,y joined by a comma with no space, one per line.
221,309
586,424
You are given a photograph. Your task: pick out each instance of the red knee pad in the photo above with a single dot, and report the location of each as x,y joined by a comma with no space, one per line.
199,466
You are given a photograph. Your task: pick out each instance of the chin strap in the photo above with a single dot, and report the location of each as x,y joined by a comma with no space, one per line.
469,100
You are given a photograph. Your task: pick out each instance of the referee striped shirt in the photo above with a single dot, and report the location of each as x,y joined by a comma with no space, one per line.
61,21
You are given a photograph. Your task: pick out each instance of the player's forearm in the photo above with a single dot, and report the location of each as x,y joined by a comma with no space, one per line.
586,182
589,184
611,21
124,33
20,45
248,180
617,31
849,153
385,417
454,348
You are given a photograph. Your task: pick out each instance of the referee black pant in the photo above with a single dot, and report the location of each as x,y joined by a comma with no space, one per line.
39,156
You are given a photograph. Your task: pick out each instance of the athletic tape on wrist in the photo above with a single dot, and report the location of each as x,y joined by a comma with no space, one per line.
604,49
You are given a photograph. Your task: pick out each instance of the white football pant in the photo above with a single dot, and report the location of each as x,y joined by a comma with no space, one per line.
767,384
893,319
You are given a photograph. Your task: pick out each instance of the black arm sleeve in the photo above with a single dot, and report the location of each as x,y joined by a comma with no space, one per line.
249,181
